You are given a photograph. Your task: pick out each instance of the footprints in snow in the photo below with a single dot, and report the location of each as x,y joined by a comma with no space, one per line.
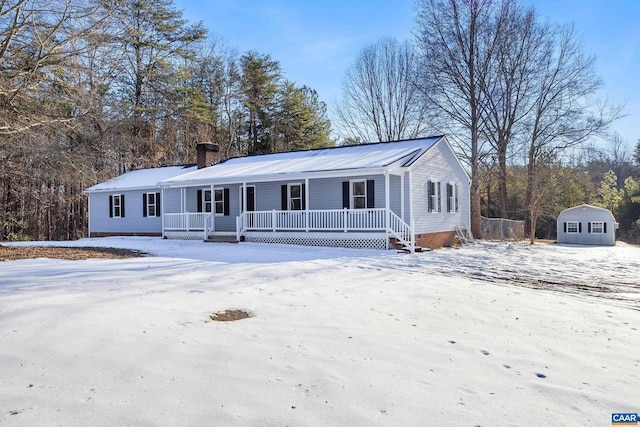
486,353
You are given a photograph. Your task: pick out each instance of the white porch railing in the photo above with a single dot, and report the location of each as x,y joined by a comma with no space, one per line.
401,231
188,221
315,220
378,219
335,220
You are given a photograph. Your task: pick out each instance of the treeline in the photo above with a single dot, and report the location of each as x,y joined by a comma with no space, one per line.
90,89
607,177
517,94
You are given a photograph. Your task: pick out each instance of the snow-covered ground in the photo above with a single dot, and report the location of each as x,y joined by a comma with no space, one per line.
492,334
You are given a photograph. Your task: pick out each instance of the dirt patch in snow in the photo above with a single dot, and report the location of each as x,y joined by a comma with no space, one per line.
229,316
11,253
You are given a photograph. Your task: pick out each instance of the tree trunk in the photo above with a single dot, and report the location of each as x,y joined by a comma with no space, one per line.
502,181
529,192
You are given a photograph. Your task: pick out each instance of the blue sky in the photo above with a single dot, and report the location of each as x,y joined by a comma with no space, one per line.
316,41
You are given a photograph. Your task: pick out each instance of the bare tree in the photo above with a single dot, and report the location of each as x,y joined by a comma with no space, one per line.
38,38
458,40
508,88
380,103
565,112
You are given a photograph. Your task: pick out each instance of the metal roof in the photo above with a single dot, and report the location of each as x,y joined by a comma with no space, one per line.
140,179
352,158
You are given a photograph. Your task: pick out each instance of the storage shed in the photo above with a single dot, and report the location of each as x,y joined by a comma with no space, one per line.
587,225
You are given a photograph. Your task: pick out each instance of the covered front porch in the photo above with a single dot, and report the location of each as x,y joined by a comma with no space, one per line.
329,227
373,211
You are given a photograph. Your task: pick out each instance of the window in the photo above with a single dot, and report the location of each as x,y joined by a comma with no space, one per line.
455,197
219,200
358,194
151,204
217,203
597,227
116,206
206,201
573,227
295,197
434,202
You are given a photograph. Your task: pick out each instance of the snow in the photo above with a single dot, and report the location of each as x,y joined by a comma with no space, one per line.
140,179
366,156
490,334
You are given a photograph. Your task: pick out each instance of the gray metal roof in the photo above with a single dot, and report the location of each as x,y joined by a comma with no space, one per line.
346,158
141,178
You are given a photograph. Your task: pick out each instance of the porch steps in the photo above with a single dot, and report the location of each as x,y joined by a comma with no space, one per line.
416,249
221,239
395,243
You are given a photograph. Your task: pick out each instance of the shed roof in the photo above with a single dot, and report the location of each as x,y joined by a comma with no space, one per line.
585,206
140,179
345,158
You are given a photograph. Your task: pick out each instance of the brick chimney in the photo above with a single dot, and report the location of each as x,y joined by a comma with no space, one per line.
207,153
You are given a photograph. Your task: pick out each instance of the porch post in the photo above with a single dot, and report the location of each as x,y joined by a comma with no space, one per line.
386,199
212,215
243,211
306,204
184,222
162,207
402,196
411,203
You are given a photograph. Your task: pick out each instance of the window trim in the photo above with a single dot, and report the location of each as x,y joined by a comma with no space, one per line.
592,227
290,198
150,205
573,224
451,197
215,202
206,202
352,196
434,202
456,192
118,205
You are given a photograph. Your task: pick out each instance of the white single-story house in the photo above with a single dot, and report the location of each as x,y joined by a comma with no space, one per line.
409,193
130,204
586,225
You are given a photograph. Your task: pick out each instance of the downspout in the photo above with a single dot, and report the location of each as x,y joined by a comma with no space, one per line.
411,217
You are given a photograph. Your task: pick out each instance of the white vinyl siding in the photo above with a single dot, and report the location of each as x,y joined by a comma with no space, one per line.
438,164
586,225
133,221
